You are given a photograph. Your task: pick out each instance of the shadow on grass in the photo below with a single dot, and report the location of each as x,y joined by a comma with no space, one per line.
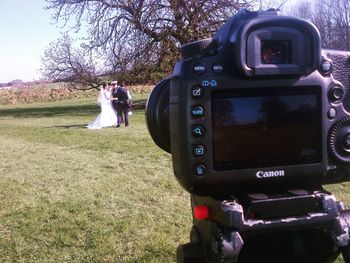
73,110
38,112
83,126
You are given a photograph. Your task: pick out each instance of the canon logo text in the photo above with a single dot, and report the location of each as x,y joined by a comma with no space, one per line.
268,174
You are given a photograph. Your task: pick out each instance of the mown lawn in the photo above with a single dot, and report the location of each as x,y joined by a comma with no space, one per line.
68,194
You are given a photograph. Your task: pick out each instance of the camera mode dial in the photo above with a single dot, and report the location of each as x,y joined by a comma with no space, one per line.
339,140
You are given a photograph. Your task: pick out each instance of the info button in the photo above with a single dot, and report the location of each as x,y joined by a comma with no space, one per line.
218,68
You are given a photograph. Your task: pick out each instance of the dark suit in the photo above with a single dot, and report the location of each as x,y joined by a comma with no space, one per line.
121,105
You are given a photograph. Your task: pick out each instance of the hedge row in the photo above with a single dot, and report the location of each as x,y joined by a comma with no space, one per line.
47,93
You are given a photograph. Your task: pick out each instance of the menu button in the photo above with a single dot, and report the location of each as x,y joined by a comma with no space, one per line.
199,68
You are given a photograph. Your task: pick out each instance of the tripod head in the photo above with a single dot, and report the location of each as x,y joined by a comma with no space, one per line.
292,227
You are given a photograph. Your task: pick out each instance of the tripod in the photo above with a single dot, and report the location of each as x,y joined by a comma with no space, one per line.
297,226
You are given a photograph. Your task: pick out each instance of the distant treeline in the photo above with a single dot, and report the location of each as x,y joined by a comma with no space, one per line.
331,17
27,94
19,83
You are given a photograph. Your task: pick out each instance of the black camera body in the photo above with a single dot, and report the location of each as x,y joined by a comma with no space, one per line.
257,119
257,107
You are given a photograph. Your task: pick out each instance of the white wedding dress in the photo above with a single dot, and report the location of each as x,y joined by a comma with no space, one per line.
108,116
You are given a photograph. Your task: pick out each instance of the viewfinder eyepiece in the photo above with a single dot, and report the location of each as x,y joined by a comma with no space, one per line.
275,52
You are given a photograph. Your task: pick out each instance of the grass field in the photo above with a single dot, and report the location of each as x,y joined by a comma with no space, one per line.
68,194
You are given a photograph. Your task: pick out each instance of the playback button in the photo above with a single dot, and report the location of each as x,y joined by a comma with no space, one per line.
198,150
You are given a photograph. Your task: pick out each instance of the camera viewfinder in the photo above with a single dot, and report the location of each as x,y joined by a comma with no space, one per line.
275,52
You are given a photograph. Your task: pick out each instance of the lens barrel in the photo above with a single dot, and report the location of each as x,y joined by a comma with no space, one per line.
157,115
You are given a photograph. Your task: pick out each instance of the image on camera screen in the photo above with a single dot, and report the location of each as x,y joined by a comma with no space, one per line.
266,127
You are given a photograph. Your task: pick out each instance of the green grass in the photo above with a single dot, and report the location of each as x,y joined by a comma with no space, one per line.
68,194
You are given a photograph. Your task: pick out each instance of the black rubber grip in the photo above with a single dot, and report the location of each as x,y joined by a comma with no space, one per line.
195,48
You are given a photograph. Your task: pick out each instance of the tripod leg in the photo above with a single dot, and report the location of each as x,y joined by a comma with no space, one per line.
192,252
345,251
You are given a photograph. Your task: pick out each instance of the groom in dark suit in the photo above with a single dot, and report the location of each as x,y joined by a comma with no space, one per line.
114,85
121,103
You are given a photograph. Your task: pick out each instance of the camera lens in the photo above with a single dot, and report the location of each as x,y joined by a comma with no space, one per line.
275,52
157,115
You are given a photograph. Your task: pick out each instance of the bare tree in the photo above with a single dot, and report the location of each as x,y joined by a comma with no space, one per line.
142,36
302,10
61,61
331,17
341,24
276,4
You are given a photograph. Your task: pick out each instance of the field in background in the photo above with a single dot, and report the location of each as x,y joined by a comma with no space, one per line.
54,92
68,194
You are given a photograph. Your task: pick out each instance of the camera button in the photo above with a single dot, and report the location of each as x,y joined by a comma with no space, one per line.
199,68
198,150
197,92
332,113
200,169
197,112
336,93
218,68
326,67
198,131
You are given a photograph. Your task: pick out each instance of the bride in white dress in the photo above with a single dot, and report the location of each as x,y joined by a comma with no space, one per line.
108,116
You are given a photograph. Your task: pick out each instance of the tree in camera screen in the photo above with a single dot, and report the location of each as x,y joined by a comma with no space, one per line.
265,127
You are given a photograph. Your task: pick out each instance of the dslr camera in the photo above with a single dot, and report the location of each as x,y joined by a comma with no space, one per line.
257,119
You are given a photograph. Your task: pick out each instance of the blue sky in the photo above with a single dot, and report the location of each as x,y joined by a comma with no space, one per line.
26,29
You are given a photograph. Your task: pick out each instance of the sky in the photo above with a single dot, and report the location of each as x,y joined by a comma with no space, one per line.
26,30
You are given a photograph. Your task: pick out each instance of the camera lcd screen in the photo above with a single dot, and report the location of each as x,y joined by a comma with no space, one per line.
266,127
